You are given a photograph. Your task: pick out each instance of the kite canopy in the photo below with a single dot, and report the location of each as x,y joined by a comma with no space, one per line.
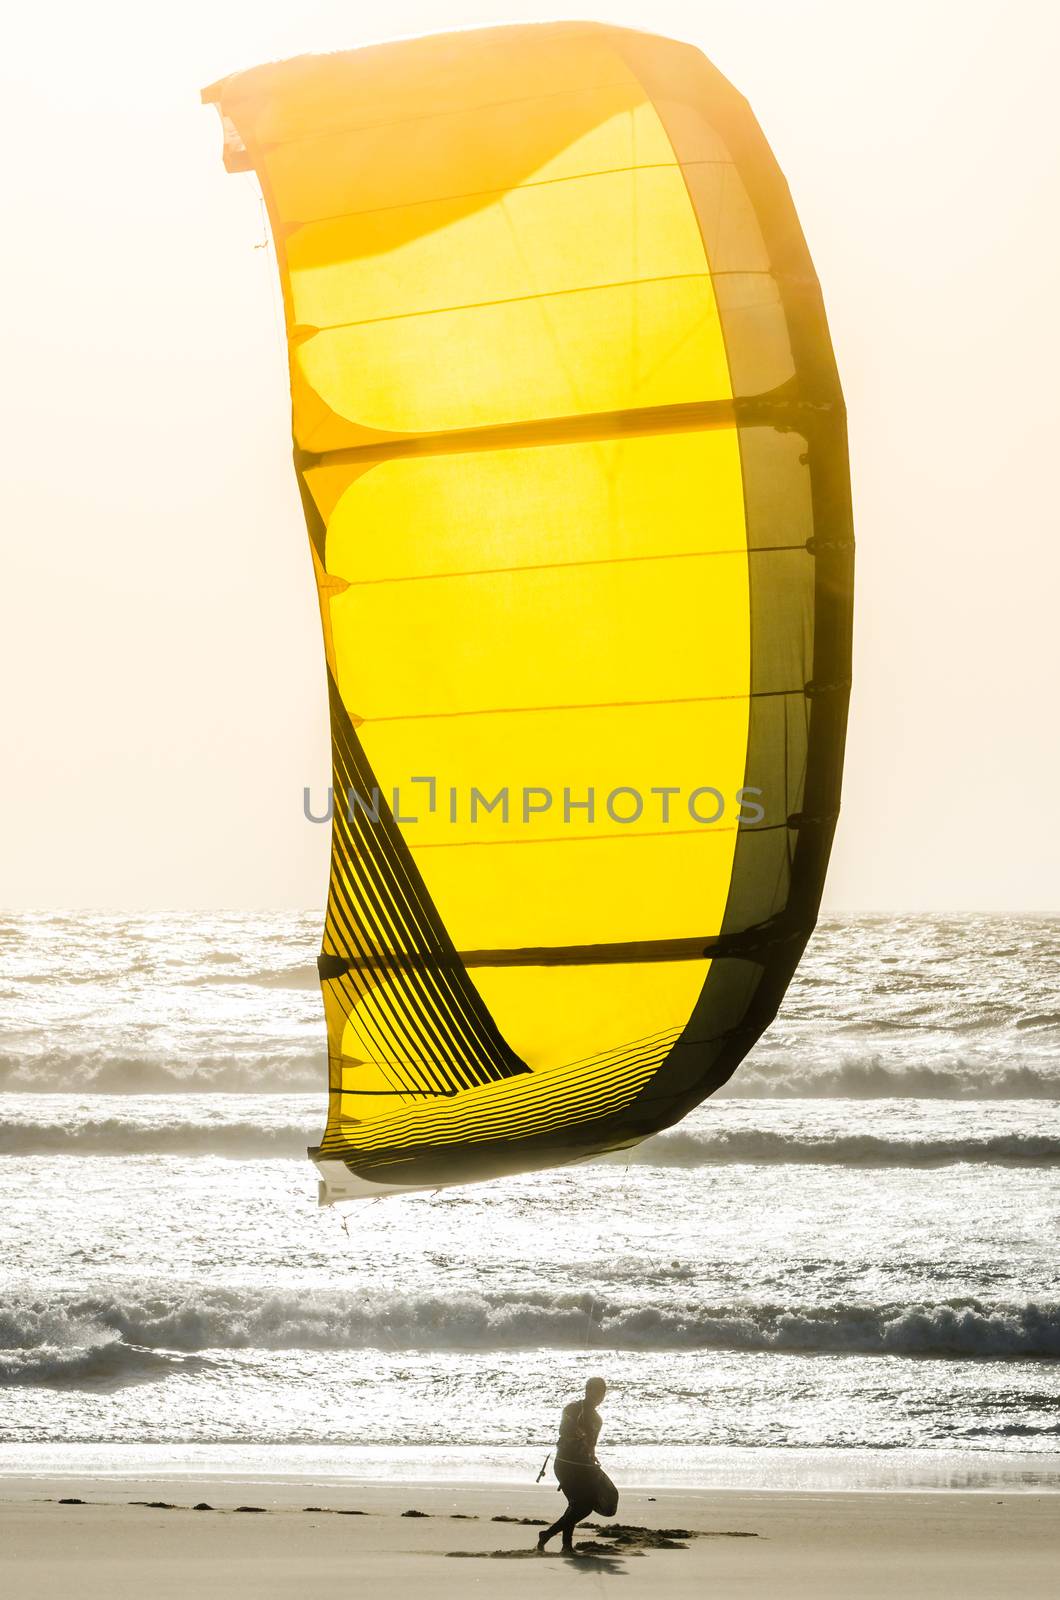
572,451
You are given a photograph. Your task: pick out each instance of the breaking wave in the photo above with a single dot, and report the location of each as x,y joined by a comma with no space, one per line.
872,1079
244,1138
291,1072
113,1136
104,1366
304,976
117,1337
63,1346
299,1070
761,1147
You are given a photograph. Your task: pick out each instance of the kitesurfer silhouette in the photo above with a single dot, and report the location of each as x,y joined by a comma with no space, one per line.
580,1475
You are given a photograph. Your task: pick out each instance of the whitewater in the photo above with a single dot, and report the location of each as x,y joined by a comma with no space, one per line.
852,1248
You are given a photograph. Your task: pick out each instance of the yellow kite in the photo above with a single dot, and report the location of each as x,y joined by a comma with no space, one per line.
572,451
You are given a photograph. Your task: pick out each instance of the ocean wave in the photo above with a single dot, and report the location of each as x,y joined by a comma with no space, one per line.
299,977
756,1146
63,1345
1047,1019
293,1072
105,1366
114,1136
872,1079
247,1139
1015,1430
302,1070
194,1320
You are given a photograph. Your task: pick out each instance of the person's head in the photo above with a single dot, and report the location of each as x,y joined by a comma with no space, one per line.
595,1390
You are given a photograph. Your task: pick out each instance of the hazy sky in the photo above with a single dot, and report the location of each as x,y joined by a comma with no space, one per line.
162,662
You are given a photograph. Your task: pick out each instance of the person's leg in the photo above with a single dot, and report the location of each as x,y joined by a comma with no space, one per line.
577,1486
579,1505
547,1533
576,1510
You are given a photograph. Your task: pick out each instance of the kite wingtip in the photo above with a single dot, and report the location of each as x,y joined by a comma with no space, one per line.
235,154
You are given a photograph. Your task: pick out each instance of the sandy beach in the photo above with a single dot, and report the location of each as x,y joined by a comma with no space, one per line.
276,1537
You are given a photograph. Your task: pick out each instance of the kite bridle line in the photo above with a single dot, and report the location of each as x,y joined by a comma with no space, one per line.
371,1299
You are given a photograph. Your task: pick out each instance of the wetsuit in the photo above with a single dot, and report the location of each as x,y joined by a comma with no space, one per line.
575,1466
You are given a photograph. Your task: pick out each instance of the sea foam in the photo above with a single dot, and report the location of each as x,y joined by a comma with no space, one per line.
67,1332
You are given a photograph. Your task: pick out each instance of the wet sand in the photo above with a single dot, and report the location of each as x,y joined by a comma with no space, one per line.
271,1537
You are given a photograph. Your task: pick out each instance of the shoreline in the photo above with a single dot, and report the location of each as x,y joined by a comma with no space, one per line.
126,1536
694,1469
